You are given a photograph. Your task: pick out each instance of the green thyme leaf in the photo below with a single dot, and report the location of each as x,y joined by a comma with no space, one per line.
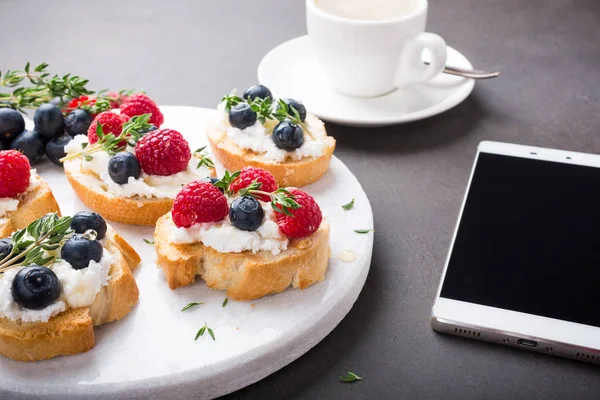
231,100
364,230
149,241
203,330
350,377
348,206
190,305
226,180
225,301
29,245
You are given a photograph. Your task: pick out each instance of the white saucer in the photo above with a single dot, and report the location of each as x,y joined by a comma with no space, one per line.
151,353
292,70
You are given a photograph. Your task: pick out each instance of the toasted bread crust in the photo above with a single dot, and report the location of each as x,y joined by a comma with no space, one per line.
72,331
32,205
287,174
245,276
133,211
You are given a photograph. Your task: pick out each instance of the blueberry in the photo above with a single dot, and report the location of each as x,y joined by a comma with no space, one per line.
257,91
77,122
79,251
5,247
59,102
11,124
123,165
241,116
35,287
55,148
85,220
288,136
213,181
150,129
246,213
291,103
31,144
49,121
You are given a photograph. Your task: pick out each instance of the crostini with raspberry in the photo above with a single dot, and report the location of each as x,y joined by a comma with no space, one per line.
244,235
24,196
127,168
277,135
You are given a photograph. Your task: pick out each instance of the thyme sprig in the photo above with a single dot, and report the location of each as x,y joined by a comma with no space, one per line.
282,201
204,159
30,245
231,100
280,111
133,130
44,88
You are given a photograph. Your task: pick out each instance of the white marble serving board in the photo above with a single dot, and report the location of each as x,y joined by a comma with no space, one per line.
152,352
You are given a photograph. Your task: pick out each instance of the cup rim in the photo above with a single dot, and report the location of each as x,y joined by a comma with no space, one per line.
312,7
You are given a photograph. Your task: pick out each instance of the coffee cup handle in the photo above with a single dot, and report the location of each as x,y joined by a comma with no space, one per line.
412,68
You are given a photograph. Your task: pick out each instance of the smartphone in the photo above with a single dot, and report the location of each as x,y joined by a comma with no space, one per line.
523,268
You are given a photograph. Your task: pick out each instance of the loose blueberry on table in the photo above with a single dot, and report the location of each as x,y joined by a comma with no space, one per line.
11,124
77,122
49,121
55,148
31,144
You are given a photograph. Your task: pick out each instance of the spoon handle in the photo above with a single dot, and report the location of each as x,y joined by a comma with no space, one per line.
469,73
473,74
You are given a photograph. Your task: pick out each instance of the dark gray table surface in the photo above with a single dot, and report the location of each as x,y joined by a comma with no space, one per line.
192,52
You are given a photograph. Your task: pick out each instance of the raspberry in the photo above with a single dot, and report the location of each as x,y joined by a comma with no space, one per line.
15,172
306,220
79,102
163,152
249,175
116,99
199,202
111,123
139,104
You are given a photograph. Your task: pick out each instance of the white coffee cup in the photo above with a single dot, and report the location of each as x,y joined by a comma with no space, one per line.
367,58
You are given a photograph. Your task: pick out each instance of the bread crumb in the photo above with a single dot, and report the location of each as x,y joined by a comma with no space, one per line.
252,305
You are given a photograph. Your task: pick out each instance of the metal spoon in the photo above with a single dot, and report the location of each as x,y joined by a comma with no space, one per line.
469,73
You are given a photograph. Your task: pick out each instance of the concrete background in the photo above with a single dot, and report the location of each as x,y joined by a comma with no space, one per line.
192,52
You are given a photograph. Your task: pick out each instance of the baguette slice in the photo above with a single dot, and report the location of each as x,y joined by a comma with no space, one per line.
245,276
32,206
72,331
287,174
134,211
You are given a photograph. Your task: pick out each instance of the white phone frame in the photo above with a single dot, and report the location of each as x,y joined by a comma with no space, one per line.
552,336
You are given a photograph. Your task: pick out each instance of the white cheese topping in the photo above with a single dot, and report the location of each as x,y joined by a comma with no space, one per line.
258,139
79,289
226,238
9,204
148,186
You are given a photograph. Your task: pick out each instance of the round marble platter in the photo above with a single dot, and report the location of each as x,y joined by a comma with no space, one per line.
152,352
